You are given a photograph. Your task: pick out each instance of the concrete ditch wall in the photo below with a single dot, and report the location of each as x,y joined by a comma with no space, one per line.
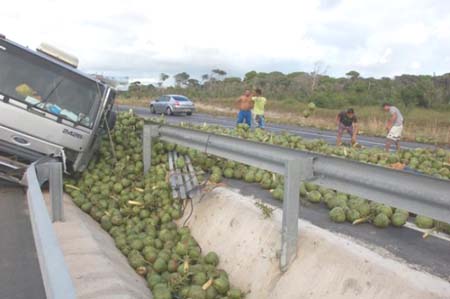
327,266
98,269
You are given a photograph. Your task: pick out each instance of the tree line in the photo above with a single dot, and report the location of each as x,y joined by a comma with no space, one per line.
325,91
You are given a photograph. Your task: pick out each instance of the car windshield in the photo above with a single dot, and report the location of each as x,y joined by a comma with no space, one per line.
44,85
180,98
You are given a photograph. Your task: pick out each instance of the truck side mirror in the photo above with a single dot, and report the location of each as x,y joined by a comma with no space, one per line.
111,119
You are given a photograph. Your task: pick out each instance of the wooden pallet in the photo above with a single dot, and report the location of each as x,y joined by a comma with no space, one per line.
184,182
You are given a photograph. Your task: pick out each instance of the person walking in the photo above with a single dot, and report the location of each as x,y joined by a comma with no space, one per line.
347,122
394,126
245,105
258,108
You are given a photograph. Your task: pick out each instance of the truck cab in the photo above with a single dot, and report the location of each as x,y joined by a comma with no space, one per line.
49,108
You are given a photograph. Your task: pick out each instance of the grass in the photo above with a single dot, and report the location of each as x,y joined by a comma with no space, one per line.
421,125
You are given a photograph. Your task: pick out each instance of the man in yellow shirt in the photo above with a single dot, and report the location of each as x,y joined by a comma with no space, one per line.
258,108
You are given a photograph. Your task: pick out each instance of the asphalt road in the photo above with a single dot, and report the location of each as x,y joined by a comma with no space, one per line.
20,275
304,132
431,254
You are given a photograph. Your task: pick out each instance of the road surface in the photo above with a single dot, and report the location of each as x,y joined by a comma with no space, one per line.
20,275
304,132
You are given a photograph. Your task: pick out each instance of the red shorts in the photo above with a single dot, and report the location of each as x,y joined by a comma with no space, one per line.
342,128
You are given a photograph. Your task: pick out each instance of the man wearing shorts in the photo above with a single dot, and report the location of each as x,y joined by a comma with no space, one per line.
394,126
347,122
245,105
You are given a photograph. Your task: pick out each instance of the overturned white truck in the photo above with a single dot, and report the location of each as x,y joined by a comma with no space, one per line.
49,108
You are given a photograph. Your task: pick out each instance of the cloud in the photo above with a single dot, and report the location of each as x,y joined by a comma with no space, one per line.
141,39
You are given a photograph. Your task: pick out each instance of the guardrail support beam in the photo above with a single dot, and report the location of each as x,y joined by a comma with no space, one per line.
51,171
296,171
149,132
56,190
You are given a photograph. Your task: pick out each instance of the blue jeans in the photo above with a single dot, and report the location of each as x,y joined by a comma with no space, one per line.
245,116
260,120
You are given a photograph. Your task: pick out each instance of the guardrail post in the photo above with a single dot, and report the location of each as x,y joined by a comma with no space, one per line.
296,171
51,171
56,190
149,132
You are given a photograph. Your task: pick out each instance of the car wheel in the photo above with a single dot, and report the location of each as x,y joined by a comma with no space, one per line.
152,109
189,113
169,111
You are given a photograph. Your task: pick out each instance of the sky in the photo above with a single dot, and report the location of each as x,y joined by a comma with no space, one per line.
143,38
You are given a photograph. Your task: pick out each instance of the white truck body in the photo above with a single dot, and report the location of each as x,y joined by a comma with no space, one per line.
49,108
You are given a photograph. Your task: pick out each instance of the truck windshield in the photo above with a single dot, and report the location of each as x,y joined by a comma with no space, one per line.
29,78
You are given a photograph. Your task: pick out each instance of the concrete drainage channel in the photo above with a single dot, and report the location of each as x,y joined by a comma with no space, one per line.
327,265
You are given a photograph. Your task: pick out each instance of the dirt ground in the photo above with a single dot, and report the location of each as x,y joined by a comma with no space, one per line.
327,265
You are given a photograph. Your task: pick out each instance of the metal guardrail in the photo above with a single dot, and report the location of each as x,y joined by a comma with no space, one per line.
57,281
416,193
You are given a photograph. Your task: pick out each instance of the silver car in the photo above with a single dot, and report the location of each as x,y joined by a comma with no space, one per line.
172,104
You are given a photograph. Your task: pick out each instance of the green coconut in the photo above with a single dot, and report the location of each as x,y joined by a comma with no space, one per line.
352,215
212,258
222,285
314,196
278,193
424,222
399,219
337,214
381,220
196,292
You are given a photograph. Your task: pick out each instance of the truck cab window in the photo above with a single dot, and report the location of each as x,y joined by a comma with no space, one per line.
45,86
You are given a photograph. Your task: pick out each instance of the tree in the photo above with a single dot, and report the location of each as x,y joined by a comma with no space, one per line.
220,73
320,69
181,79
205,77
353,75
328,92
232,80
250,76
162,78
194,83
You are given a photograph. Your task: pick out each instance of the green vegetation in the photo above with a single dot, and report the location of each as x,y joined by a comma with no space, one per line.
406,91
424,100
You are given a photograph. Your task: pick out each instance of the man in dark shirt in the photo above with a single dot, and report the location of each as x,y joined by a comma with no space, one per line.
347,121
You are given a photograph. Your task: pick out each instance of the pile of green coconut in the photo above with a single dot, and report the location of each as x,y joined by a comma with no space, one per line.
343,207
139,212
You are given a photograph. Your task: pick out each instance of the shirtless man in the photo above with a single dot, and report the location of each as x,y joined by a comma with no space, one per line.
245,105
